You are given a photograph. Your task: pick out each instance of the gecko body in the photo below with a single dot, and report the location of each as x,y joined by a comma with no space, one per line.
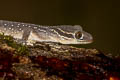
65,34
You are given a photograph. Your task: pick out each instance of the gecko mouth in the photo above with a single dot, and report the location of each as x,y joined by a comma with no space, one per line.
86,40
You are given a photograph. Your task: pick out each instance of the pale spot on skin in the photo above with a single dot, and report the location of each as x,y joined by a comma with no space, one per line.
5,24
20,29
42,30
29,26
18,24
9,28
12,25
35,27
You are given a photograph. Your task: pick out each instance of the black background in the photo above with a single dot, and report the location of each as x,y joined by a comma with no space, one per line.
100,18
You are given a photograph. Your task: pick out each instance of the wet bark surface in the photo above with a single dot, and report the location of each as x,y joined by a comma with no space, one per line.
51,61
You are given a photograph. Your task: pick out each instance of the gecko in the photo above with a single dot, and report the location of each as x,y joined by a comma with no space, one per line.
64,34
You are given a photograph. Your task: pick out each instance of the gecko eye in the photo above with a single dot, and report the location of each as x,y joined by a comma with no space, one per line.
78,35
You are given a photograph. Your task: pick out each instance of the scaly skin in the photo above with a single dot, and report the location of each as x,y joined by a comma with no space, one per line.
64,34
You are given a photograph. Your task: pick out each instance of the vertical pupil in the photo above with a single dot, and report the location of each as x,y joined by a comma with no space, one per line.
78,35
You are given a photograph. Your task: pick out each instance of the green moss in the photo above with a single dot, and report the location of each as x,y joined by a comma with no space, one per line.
10,41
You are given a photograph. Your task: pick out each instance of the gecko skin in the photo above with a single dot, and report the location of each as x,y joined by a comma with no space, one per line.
65,34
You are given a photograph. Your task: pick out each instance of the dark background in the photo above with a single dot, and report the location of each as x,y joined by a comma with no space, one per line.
100,18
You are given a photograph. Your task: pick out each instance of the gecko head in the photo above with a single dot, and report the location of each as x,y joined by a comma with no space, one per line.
82,37
75,35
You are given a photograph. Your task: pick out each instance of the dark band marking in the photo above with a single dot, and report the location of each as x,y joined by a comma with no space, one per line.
65,34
